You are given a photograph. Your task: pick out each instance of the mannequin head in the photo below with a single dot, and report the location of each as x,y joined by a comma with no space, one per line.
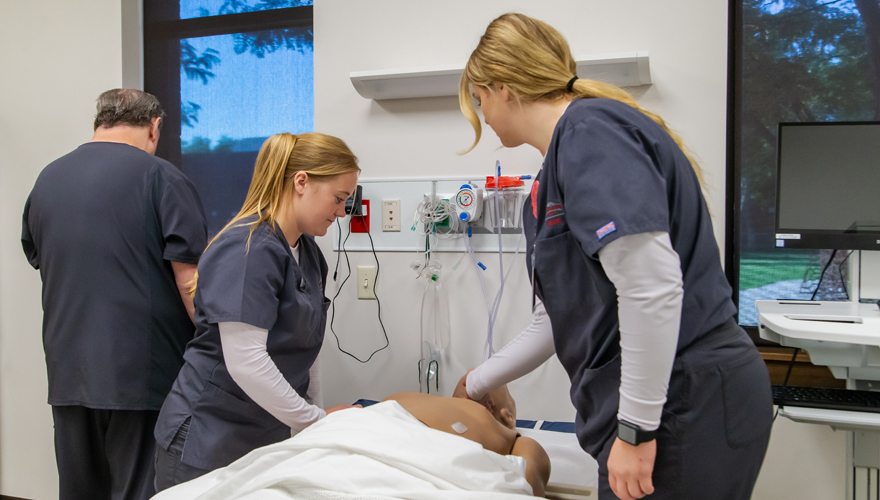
499,402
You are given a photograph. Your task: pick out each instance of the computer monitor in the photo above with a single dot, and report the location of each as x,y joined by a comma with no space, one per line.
828,186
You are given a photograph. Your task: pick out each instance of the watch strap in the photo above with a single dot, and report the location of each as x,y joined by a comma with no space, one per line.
631,433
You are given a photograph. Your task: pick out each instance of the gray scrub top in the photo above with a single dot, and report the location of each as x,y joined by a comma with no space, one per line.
611,171
103,224
262,286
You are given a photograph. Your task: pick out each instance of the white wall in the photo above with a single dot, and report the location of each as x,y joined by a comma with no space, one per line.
47,97
420,137
687,41
803,461
57,57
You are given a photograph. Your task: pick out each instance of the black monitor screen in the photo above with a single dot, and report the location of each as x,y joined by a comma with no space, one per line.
828,186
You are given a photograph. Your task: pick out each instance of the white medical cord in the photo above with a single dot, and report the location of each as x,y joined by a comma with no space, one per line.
436,344
496,306
470,249
489,349
432,211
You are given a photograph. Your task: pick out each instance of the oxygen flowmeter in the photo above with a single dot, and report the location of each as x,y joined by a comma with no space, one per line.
469,203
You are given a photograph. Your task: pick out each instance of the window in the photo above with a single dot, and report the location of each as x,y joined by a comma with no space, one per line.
229,74
791,61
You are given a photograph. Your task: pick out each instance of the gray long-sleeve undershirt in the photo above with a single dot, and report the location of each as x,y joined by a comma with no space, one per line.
646,271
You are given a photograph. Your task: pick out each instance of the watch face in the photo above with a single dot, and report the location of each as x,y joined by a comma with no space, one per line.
626,433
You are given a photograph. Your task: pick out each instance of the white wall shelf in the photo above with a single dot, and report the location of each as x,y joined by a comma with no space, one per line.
626,69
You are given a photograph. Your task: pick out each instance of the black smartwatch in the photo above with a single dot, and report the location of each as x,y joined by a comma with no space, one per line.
631,433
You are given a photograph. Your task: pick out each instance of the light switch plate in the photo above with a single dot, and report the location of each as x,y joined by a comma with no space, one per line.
366,278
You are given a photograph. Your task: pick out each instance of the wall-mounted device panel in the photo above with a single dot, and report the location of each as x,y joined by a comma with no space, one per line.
469,203
448,235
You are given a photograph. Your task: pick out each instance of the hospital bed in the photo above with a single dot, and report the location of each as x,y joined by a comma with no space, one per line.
574,475
383,452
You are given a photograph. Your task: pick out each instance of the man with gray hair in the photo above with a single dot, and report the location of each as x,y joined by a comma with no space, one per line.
116,234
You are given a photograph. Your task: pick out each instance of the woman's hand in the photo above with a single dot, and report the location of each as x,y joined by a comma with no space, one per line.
460,391
340,407
630,468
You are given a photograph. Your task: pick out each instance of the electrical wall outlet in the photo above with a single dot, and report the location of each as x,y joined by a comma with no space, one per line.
366,279
391,215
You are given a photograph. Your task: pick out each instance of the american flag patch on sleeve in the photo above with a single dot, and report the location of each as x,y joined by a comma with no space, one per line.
606,230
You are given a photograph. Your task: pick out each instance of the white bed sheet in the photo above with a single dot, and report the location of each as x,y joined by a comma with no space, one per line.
569,463
376,452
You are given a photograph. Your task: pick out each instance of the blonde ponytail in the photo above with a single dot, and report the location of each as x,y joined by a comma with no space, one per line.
534,61
280,158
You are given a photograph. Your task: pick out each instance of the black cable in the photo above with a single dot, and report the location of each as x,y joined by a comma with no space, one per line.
787,374
339,290
378,304
790,366
830,260
333,302
840,269
339,246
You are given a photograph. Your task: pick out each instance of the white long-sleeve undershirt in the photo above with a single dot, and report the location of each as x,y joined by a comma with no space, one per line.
314,395
248,362
249,365
521,356
646,272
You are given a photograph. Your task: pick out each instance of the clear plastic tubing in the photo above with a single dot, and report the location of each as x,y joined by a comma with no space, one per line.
489,349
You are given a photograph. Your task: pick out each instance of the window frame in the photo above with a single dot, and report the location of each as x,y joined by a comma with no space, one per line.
163,31
733,174
733,213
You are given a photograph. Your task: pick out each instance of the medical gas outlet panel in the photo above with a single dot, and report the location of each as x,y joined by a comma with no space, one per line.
489,209
447,208
469,203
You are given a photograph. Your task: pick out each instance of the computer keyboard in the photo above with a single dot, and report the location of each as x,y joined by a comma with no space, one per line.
832,399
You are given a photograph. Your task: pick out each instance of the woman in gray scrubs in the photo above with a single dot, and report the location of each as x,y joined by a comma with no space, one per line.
672,398
250,373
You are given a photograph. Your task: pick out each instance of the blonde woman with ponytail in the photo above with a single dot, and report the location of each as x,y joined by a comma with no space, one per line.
671,395
250,373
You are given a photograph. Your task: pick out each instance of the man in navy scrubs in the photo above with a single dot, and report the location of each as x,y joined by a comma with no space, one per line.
116,234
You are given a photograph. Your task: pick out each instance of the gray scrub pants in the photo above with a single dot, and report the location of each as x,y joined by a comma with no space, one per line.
104,454
715,425
170,471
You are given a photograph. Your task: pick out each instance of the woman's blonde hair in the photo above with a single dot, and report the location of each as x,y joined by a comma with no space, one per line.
281,157
534,61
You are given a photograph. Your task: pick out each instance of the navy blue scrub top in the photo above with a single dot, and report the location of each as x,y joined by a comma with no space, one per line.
262,286
103,224
611,171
